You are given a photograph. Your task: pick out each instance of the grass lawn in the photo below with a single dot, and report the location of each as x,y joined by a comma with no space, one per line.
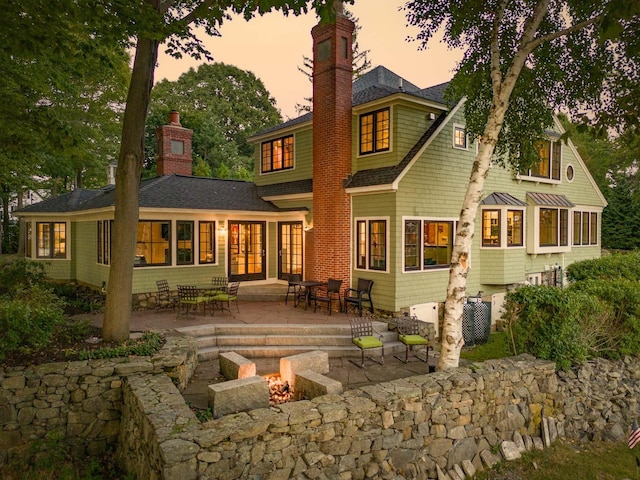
496,347
565,460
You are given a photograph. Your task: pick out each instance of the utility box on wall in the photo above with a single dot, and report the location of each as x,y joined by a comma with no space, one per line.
497,302
427,312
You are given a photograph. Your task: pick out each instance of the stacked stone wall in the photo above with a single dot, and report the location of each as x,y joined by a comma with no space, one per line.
417,427
80,400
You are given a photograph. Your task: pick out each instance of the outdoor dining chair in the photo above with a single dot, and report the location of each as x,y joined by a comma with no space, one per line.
231,295
359,296
364,337
293,287
190,298
165,298
327,294
409,334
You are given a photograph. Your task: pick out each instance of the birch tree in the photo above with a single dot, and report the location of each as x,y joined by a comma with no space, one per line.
523,60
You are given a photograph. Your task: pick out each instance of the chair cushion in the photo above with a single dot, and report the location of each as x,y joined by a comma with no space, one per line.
367,342
413,339
224,297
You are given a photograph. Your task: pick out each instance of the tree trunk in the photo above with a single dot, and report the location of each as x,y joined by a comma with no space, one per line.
117,316
21,225
452,339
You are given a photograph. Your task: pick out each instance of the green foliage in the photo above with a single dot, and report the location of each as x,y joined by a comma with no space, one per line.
22,273
496,347
609,267
78,298
149,344
223,105
205,415
28,320
555,324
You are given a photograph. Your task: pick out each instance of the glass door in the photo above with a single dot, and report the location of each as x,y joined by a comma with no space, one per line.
247,259
290,249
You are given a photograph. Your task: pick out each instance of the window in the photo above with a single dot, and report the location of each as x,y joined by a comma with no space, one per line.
51,239
554,227
570,173
459,137
550,163
207,242
515,236
491,228
374,131
27,238
277,154
104,241
184,246
585,228
427,244
371,244
153,245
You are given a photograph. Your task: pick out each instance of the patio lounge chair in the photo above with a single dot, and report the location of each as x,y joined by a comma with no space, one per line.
409,334
359,296
365,338
293,287
231,295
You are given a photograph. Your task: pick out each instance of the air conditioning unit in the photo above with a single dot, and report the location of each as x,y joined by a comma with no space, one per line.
427,312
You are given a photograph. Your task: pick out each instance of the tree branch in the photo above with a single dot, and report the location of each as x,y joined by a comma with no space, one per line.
197,12
496,75
560,33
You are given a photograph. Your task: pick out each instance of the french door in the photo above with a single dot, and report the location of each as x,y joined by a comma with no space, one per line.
247,254
289,249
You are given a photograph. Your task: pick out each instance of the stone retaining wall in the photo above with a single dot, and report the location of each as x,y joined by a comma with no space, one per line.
82,400
411,427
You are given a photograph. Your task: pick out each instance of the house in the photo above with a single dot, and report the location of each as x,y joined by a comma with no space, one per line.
368,185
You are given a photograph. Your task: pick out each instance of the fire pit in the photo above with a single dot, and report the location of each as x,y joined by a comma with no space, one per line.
279,391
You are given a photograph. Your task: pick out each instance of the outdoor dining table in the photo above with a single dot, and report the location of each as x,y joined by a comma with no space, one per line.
308,285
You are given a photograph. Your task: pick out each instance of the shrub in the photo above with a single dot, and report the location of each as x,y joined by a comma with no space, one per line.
618,265
622,297
555,324
22,273
28,319
149,344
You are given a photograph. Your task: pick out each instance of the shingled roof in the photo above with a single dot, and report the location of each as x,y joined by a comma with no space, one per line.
169,191
376,84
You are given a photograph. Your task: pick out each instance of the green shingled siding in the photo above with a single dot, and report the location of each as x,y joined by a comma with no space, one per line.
87,269
302,161
501,266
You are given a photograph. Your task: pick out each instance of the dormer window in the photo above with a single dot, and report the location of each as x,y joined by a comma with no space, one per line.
375,131
277,154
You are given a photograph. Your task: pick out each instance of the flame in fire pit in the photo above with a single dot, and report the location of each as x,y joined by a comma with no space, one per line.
279,391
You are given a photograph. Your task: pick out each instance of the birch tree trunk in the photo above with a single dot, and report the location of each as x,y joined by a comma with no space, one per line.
117,316
502,88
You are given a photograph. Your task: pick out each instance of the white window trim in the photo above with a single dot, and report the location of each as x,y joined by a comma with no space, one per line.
368,253
443,268
530,178
532,238
459,126
503,226
569,165
580,209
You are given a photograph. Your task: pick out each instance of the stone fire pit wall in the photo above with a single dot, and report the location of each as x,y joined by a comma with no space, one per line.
82,400
409,427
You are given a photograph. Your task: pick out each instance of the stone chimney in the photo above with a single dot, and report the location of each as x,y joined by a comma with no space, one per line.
174,147
332,91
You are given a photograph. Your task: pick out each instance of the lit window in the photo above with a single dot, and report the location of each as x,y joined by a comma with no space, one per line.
51,239
459,137
375,131
207,242
184,247
554,227
277,154
550,164
371,244
438,243
491,228
515,236
153,245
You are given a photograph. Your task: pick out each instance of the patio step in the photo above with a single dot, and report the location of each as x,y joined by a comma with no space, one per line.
272,292
267,341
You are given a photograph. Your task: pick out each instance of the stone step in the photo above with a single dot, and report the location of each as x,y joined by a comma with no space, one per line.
212,353
272,292
274,329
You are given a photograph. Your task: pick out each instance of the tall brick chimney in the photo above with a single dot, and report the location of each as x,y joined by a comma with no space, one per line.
332,90
174,147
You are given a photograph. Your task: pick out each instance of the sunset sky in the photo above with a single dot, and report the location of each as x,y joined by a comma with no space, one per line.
272,48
